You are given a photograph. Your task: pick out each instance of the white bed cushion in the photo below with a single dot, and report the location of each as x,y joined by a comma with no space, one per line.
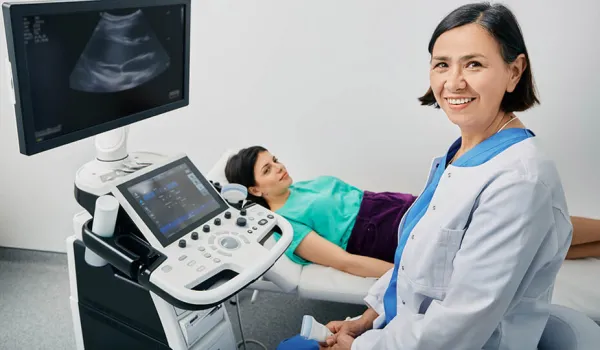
578,286
311,281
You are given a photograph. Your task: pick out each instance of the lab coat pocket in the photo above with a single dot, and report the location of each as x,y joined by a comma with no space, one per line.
427,258
449,241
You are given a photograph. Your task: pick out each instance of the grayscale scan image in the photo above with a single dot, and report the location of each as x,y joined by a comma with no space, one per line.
122,62
122,53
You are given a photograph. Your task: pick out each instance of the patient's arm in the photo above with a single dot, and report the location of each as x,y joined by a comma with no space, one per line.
320,251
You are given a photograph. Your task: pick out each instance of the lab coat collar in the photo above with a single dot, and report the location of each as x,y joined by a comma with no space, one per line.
497,140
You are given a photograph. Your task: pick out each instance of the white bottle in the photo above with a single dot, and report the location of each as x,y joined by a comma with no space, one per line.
311,329
105,219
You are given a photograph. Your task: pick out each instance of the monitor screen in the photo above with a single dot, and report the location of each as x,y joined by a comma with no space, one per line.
88,71
173,200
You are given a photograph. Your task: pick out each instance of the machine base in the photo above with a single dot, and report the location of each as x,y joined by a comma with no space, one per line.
112,312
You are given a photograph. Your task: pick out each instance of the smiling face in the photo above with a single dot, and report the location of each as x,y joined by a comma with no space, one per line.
469,77
271,176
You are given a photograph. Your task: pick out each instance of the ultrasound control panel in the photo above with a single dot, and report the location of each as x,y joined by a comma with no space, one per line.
212,250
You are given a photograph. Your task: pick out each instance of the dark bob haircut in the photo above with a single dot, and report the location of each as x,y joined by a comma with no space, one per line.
240,170
500,22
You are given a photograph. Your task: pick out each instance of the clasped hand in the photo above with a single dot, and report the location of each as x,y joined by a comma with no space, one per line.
344,333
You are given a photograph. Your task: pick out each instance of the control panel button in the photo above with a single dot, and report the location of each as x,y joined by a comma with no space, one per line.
211,240
262,222
194,235
201,268
217,221
250,231
206,228
255,228
207,255
192,263
243,212
227,215
182,258
235,233
213,247
229,243
245,240
166,268
217,260
241,222
201,249
270,216
182,243
250,218
224,253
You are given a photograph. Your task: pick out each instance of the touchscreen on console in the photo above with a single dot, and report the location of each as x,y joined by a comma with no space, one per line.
172,200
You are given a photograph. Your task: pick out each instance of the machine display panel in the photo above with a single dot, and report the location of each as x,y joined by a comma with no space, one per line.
173,200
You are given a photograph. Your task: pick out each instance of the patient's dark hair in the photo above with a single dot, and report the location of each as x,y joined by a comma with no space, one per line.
240,170
502,25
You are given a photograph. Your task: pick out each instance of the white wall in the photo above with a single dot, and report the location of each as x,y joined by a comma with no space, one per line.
320,82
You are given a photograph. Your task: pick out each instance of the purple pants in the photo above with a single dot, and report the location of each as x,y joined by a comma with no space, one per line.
375,233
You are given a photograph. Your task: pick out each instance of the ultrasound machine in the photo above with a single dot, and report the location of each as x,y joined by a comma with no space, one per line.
158,248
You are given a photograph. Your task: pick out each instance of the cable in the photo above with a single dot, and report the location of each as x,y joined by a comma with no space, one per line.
244,341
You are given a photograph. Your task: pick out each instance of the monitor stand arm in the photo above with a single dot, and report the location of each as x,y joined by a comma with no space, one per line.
111,146
112,161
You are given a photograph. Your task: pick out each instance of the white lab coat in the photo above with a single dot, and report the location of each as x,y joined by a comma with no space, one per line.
479,268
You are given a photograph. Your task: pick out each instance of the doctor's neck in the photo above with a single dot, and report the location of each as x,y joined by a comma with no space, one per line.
471,137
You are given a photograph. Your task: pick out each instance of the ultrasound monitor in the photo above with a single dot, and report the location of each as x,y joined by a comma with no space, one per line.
86,67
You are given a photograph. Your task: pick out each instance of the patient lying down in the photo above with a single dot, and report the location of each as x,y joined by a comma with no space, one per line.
338,225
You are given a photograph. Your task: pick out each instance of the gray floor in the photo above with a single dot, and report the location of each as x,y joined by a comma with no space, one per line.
35,312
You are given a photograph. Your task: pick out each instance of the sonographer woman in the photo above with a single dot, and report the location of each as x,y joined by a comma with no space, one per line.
480,248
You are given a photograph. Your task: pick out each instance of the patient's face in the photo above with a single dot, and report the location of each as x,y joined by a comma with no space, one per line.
270,175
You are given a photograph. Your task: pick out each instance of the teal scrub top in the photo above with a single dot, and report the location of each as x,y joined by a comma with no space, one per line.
326,205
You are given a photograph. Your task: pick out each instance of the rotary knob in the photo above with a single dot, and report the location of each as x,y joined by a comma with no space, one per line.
194,235
217,221
182,243
243,212
241,222
205,228
227,215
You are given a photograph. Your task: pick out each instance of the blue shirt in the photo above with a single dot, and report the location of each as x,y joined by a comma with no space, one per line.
478,155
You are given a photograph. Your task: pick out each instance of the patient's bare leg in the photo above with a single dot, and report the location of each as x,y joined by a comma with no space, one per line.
586,238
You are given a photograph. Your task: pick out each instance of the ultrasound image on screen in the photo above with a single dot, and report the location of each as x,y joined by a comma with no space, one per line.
123,53
173,200
88,68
